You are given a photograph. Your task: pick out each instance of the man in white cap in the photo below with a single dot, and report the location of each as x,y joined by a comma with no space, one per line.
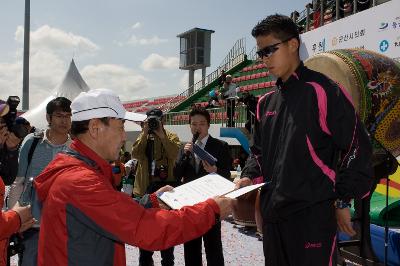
84,220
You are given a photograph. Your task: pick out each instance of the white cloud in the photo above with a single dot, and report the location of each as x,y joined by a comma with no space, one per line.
137,25
50,54
156,61
48,38
46,72
155,40
124,81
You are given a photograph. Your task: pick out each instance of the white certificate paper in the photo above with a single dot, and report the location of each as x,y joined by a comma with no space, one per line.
202,189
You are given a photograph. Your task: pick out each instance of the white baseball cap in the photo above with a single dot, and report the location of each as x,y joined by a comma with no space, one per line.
99,103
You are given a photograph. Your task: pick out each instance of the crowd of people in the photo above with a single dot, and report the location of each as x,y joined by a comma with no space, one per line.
76,199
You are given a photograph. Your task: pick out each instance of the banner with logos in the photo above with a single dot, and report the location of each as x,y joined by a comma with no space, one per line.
376,29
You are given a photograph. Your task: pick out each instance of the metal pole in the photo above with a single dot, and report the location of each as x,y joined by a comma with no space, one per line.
322,12
337,9
203,76
308,17
373,2
25,75
191,81
354,6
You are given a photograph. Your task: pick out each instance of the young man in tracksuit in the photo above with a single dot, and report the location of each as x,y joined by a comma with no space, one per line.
311,150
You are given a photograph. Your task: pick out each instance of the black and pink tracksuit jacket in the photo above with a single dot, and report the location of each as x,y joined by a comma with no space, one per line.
309,145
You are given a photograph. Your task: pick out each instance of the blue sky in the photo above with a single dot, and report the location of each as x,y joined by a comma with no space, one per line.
128,46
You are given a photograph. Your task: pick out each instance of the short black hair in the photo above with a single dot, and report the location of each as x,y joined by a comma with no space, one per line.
58,104
80,127
199,111
280,26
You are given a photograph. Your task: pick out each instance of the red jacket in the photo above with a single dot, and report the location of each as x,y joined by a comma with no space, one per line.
9,224
86,222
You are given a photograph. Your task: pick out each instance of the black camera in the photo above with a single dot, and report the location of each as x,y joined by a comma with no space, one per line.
20,131
162,172
15,245
153,122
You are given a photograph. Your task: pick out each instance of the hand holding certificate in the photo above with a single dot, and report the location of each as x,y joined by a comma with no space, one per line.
202,189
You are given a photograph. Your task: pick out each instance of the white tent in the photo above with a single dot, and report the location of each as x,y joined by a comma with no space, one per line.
70,87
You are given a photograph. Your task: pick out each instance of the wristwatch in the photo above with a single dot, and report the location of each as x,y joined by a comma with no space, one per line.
341,204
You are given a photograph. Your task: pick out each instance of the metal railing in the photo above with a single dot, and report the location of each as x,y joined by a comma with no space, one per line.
238,48
236,56
324,6
218,116
252,54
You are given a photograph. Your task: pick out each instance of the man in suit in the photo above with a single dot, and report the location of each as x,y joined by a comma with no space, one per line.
189,167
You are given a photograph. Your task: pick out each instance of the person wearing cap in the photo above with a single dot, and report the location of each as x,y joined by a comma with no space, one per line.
85,221
17,219
36,152
156,151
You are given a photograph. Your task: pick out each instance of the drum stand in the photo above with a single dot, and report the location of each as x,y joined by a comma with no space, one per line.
360,250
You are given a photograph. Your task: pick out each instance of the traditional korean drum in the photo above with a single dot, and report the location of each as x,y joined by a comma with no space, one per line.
373,81
244,209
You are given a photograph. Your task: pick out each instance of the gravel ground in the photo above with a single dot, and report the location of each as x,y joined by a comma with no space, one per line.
241,248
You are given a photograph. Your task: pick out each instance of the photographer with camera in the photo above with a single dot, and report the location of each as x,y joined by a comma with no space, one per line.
17,219
11,135
37,151
156,150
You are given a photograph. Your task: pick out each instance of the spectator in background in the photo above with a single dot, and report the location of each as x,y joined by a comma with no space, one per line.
37,150
129,181
8,148
131,165
316,4
156,150
230,91
213,98
251,104
222,78
126,156
18,219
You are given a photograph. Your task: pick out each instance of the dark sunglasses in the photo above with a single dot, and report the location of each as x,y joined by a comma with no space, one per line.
270,49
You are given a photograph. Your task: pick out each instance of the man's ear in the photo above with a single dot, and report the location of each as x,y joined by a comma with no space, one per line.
48,118
94,127
294,44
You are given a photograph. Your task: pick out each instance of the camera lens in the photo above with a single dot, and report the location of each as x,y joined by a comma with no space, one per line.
153,123
19,131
